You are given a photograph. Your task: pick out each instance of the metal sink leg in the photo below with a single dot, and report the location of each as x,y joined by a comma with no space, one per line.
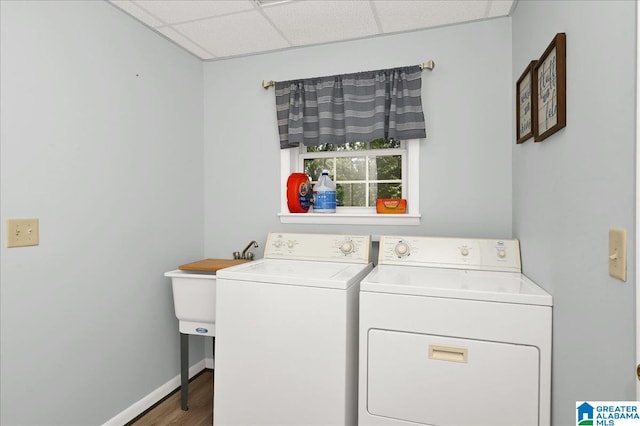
184,370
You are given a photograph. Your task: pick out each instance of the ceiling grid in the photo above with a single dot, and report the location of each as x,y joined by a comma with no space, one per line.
216,29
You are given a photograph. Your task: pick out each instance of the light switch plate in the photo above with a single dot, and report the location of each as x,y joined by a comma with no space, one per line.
22,232
618,253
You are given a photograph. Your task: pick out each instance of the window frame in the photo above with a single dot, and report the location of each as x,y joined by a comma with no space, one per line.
291,161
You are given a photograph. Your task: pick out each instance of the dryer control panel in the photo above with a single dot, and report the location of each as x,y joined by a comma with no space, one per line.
319,247
458,253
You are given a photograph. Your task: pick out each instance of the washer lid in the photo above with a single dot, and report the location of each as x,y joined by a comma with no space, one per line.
506,287
298,272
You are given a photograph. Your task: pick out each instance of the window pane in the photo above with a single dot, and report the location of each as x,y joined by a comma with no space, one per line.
314,167
358,174
385,167
384,190
350,168
350,194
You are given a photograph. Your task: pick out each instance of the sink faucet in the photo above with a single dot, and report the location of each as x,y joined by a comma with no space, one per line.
249,255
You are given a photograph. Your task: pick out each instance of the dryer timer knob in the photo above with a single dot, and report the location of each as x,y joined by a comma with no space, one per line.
347,247
401,249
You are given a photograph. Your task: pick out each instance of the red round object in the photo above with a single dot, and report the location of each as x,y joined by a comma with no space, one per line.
298,193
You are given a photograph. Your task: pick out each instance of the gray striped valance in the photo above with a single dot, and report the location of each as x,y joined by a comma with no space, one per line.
351,107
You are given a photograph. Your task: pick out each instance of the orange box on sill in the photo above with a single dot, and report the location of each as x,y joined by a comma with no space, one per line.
391,206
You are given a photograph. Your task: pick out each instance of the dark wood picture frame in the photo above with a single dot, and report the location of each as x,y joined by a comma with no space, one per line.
525,104
550,89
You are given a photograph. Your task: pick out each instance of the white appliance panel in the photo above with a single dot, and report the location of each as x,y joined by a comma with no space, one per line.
319,247
459,253
286,355
297,272
466,319
438,380
507,287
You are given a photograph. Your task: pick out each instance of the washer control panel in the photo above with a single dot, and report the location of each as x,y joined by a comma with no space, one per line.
328,247
459,253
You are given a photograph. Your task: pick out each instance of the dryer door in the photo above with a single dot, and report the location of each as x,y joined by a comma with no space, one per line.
436,380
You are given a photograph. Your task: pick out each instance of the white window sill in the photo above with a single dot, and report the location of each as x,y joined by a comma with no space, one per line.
350,218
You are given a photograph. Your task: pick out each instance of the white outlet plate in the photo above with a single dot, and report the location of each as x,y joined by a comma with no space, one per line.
618,253
22,232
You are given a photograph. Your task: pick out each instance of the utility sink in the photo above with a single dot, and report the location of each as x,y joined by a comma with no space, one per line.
194,294
194,300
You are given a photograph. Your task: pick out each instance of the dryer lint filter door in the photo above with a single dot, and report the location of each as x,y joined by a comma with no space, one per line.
435,380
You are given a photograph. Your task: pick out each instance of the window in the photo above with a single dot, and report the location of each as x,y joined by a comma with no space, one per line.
363,172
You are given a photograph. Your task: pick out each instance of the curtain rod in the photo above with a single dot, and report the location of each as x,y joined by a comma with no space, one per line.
429,65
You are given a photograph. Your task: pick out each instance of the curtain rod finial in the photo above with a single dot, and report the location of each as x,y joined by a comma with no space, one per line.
267,84
429,65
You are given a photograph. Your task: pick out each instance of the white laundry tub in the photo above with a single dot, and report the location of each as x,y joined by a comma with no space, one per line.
194,300
194,294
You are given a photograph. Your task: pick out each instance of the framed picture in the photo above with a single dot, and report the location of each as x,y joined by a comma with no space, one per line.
524,104
550,89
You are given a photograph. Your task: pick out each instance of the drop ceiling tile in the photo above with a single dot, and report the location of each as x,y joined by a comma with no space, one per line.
311,22
174,11
233,35
133,10
186,43
500,8
219,28
403,15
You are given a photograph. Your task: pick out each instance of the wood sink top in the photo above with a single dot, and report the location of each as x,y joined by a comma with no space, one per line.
211,265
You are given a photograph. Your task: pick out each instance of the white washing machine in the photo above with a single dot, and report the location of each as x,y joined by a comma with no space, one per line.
451,333
287,333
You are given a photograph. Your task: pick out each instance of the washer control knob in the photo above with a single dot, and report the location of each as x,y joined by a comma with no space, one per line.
502,253
347,247
464,251
401,249
277,243
291,243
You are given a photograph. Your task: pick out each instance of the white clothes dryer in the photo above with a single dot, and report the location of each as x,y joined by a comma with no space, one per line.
287,333
452,334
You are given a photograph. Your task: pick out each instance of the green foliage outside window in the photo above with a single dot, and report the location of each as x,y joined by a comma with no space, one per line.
361,170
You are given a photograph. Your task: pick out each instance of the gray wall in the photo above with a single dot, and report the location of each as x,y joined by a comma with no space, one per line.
571,188
111,163
465,181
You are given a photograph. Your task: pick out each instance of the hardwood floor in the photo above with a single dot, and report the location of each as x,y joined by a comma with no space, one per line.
168,412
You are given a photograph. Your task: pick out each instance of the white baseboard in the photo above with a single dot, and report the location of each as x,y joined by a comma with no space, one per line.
139,407
208,363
